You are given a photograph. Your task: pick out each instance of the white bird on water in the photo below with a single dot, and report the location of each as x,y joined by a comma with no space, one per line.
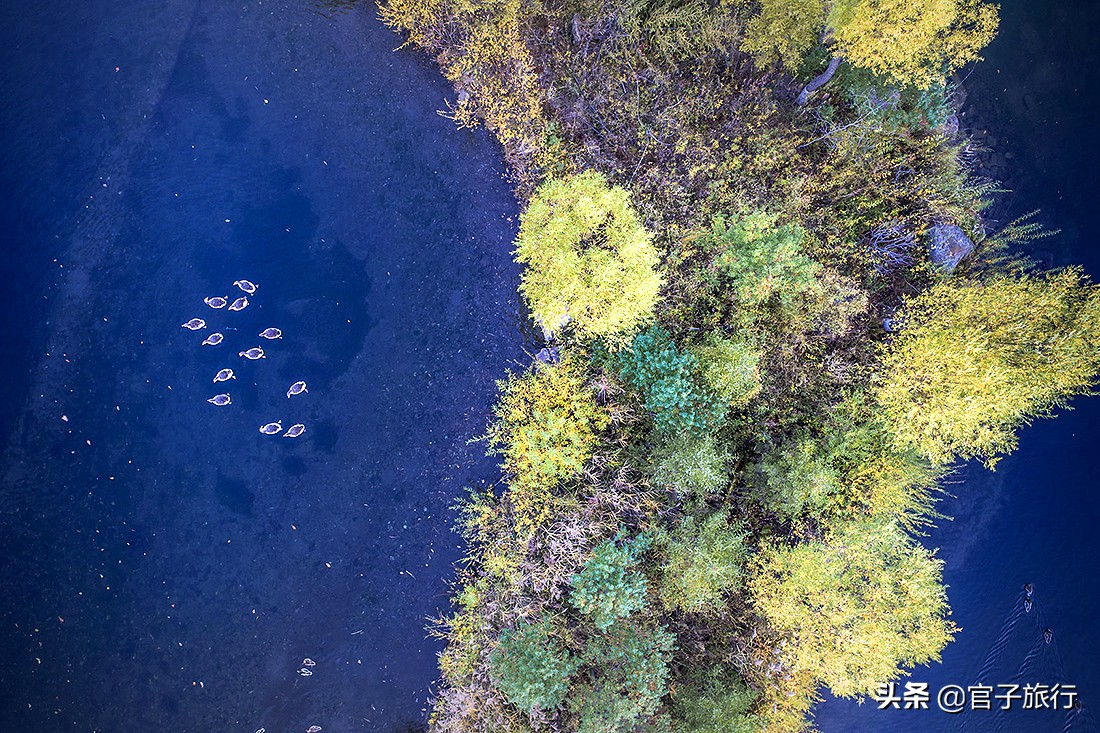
271,333
272,428
294,431
221,400
296,388
216,302
239,304
194,324
213,339
224,375
254,353
247,286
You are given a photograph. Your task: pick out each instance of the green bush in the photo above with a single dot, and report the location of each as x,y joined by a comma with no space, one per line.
798,478
691,464
763,260
714,704
609,587
703,561
531,667
730,368
666,378
589,259
628,677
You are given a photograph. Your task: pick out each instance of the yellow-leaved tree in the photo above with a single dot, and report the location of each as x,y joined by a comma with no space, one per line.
911,42
855,608
590,262
974,361
545,426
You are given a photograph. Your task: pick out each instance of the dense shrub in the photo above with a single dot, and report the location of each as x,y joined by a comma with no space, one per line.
666,377
715,703
531,667
798,477
545,427
762,260
730,368
703,562
589,259
856,607
627,678
609,587
690,464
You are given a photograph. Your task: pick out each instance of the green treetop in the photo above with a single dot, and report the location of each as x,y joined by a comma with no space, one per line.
531,667
609,587
589,259
972,362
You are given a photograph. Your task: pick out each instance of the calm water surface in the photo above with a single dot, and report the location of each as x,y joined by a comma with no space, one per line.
1034,520
166,567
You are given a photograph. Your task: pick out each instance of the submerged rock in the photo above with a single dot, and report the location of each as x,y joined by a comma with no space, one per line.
548,355
948,245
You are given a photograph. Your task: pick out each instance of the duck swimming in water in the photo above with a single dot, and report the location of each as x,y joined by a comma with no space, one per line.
239,304
1048,636
272,428
296,388
294,431
221,400
1027,605
246,286
194,324
271,333
216,302
224,375
213,339
254,353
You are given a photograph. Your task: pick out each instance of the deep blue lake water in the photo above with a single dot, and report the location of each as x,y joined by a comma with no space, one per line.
166,567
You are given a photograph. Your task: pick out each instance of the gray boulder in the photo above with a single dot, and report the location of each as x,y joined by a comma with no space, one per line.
948,245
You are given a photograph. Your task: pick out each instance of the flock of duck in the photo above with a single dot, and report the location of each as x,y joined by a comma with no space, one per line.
257,352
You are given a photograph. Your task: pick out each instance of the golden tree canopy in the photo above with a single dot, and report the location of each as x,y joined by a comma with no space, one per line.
973,362
912,41
589,259
856,607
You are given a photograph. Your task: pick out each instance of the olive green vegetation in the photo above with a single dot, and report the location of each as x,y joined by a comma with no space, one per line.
710,494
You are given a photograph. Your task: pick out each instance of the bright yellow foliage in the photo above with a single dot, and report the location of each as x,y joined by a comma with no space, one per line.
783,31
912,41
589,260
856,607
973,362
545,428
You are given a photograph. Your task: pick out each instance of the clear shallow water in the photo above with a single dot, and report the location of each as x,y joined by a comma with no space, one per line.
1035,519
165,566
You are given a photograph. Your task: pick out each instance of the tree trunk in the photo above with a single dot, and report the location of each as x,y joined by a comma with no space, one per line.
819,81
